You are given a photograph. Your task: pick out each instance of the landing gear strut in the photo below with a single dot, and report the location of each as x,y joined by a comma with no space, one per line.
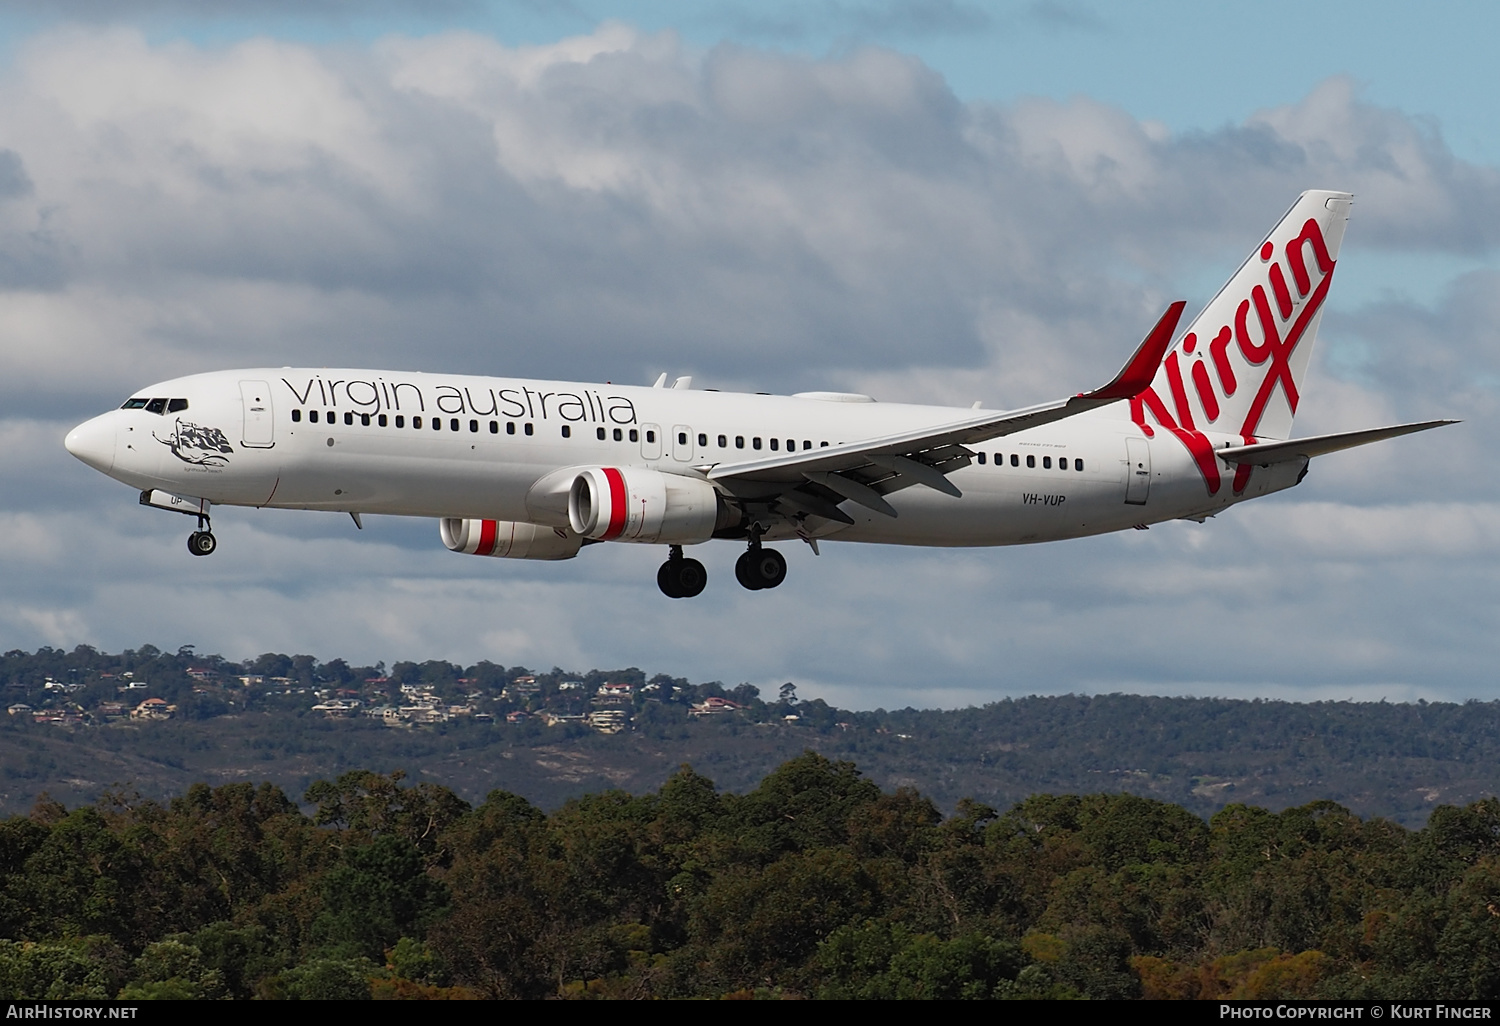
759,568
679,577
202,542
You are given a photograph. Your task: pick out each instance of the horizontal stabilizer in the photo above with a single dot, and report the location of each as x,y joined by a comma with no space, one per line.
1264,453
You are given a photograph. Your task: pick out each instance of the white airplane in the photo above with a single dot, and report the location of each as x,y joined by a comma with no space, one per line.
537,469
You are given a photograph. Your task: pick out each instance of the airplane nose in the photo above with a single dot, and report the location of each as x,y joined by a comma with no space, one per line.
93,442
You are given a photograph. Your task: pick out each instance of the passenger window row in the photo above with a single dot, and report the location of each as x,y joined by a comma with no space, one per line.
756,442
157,406
456,424
399,420
1015,461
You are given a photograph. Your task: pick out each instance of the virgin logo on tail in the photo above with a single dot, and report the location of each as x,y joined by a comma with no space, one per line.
1235,374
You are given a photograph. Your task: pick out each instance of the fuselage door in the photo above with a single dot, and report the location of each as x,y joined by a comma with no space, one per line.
1137,471
682,443
650,442
260,425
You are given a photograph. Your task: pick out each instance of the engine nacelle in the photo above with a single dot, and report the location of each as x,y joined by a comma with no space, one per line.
509,539
634,504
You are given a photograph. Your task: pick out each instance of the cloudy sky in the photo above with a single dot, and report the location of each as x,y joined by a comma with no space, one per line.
928,200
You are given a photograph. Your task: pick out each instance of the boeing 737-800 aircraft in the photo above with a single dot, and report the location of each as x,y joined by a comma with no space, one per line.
538,469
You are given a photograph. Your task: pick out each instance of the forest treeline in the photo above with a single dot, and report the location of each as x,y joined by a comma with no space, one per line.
815,883
68,730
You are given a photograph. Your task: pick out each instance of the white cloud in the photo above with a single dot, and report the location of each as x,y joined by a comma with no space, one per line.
618,203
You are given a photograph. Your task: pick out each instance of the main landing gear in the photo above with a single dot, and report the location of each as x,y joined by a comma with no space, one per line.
679,577
759,568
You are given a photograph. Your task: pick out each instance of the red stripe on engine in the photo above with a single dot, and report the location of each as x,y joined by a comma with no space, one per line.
616,503
486,538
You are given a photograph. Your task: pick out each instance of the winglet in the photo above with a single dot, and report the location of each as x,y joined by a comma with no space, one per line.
1141,369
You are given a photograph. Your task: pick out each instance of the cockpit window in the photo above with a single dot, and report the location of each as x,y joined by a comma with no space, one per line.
156,406
135,404
176,404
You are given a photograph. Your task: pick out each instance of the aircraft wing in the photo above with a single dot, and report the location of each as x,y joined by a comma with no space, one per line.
1266,453
816,480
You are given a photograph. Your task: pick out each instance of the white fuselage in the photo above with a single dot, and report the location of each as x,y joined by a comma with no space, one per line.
349,440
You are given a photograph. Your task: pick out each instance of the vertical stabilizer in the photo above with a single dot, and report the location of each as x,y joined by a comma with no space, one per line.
1238,368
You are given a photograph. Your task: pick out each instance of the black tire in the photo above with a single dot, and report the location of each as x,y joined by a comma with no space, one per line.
201,543
692,578
745,574
769,567
666,580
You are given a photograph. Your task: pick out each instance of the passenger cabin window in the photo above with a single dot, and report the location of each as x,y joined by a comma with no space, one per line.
473,427
1046,462
702,440
135,404
382,421
599,434
1031,461
312,416
981,459
739,441
1015,460
635,436
755,442
400,420
651,436
529,429
296,416
510,427
682,438
416,422
349,420
567,432
775,445
494,427
723,441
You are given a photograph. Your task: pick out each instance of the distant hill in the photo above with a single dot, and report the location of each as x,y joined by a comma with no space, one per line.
75,727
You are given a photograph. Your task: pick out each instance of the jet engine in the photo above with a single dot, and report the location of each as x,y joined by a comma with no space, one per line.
634,504
510,539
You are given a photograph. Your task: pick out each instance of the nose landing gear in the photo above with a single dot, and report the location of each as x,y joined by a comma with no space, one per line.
202,542
679,577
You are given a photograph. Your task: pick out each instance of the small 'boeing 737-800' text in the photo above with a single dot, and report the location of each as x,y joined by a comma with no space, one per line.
524,469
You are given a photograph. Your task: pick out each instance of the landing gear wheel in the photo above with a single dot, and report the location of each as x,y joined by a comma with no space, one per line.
681,578
692,578
760,568
201,543
666,580
745,574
